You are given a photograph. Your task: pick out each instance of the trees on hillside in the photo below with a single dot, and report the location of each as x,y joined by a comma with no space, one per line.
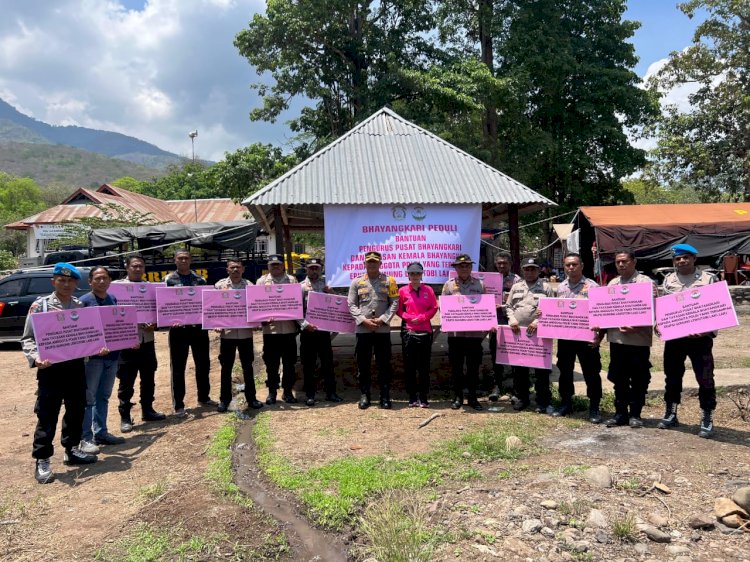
708,147
19,198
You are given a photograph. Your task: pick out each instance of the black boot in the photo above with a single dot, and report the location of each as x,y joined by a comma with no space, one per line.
566,408
364,401
635,416
595,415
149,414
621,415
670,417
458,401
472,402
707,424
385,398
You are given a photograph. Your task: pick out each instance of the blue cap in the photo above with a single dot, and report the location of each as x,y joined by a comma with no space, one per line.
682,249
66,270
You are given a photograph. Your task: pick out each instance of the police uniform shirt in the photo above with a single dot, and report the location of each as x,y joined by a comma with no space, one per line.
674,282
191,279
234,333
371,299
580,290
472,286
308,286
144,336
523,301
42,304
278,326
643,335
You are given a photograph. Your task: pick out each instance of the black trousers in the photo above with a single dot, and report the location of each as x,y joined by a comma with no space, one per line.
57,384
133,361
228,349
521,381
630,373
465,350
380,343
314,345
417,350
497,368
280,350
700,352
182,340
591,366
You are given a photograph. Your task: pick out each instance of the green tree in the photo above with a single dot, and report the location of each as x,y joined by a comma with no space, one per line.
189,180
650,192
346,57
129,183
708,147
19,198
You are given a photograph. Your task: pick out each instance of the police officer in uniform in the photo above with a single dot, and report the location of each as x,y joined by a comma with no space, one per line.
183,339
576,286
523,304
502,265
315,343
373,300
235,341
57,382
279,339
133,361
464,347
698,347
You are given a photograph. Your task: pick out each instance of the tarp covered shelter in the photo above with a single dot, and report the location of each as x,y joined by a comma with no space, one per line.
651,230
231,235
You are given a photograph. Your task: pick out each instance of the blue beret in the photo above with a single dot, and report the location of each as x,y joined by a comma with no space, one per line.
67,270
682,249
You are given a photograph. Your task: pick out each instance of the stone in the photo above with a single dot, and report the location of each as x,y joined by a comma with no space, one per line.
742,498
602,538
581,546
531,526
734,521
724,507
521,510
512,443
549,504
547,532
641,548
599,476
597,519
724,529
678,550
484,549
700,521
695,536
657,519
662,488
654,534
466,455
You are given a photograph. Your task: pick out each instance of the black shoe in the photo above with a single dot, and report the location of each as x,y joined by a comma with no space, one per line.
707,424
636,422
43,471
152,415
208,403
222,407
457,403
364,402
544,409
385,403
75,456
670,417
595,416
474,403
108,439
333,397
126,424
521,405
255,404
495,394
564,410
618,419
289,397
271,398
310,401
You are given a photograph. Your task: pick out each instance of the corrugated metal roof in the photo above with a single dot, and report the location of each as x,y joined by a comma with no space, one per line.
386,160
208,210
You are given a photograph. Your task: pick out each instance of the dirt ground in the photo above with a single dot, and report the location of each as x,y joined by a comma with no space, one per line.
94,507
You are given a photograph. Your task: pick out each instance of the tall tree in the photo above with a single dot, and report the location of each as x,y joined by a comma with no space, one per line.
708,147
346,56
19,198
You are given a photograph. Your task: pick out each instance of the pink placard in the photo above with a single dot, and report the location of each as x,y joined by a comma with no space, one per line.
277,302
329,312
523,350
120,325
63,335
179,306
467,313
140,295
614,306
493,282
695,311
564,319
225,308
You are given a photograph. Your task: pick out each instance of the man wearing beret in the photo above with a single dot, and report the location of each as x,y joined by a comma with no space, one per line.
464,346
698,347
523,305
279,339
57,382
373,300
316,343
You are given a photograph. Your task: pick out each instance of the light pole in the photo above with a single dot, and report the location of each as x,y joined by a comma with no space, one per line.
192,136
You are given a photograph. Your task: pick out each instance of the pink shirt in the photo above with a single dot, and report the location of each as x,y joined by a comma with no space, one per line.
417,307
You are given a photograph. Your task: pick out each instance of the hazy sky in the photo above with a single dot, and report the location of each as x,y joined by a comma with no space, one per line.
158,69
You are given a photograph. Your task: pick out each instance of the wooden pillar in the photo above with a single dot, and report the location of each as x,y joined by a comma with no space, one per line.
514,239
278,227
288,247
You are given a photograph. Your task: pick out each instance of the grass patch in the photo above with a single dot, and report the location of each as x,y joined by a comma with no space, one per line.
148,544
574,469
153,491
624,528
574,509
630,483
219,472
334,492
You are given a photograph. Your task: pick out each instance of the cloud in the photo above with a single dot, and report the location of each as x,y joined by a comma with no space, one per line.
155,73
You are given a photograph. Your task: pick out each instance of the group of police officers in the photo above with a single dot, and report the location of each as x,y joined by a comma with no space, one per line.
373,300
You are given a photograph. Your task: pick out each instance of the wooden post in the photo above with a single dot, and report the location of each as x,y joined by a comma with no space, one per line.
278,227
514,239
